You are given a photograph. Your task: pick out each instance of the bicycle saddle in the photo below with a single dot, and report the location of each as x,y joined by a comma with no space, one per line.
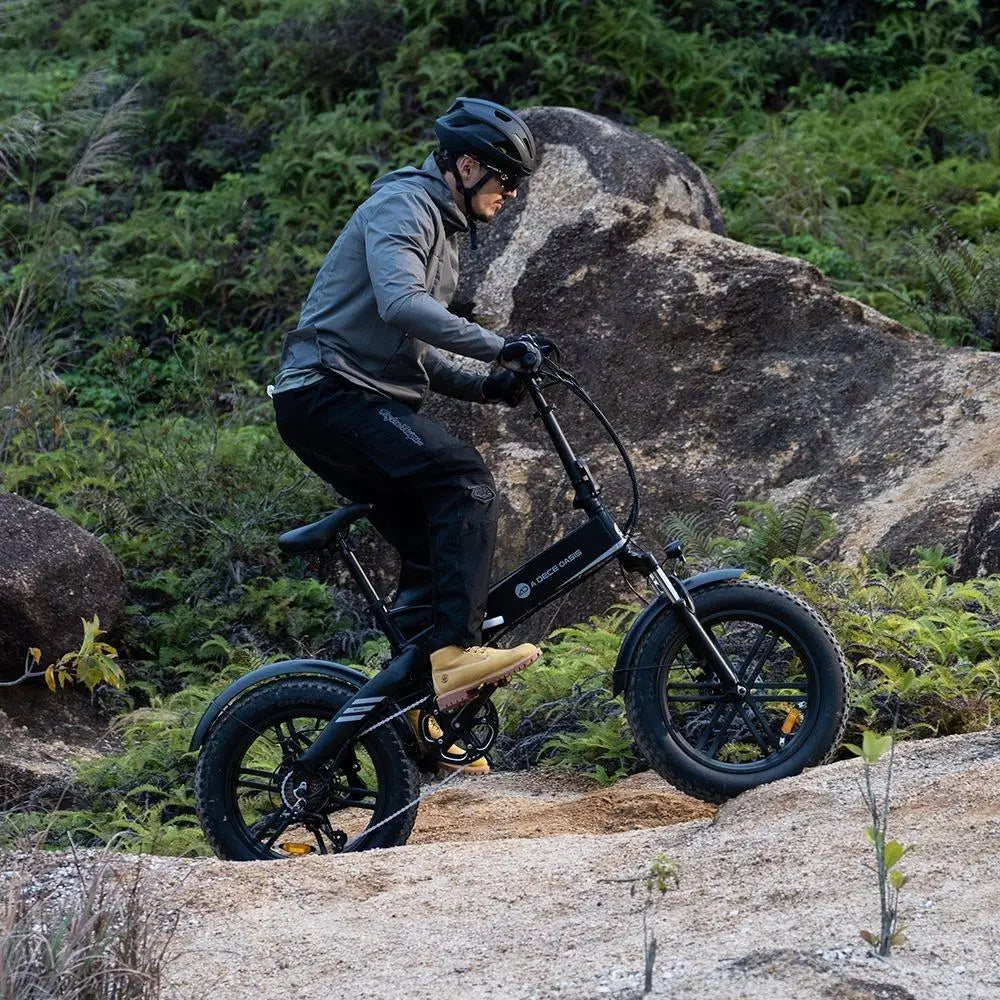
320,534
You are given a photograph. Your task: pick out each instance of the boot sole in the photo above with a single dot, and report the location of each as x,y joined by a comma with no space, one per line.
462,695
471,771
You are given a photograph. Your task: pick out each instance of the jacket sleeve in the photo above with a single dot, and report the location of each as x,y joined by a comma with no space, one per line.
399,234
451,379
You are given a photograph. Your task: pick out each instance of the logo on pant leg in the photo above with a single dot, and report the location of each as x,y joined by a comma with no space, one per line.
482,493
408,431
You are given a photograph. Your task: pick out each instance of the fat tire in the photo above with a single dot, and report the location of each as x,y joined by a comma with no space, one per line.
664,636
224,831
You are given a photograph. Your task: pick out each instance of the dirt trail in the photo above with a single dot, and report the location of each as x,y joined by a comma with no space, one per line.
532,804
772,893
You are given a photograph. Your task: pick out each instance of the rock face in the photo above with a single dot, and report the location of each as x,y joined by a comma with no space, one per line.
980,551
723,367
52,574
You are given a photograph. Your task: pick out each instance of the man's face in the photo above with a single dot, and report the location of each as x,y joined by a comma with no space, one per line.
490,198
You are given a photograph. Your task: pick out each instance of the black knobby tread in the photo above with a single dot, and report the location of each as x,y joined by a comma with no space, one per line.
652,750
298,690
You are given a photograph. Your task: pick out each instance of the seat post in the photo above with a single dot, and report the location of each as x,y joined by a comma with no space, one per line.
376,602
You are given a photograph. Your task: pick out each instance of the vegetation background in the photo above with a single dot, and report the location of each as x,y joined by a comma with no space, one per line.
172,173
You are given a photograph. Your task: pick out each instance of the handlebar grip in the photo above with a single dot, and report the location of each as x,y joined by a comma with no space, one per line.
530,360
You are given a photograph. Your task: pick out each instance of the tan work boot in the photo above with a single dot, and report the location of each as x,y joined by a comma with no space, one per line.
435,732
457,672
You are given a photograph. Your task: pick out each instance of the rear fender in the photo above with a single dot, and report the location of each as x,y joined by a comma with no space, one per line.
652,613
270,674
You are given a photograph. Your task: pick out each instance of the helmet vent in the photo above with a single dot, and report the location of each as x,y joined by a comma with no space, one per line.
488,131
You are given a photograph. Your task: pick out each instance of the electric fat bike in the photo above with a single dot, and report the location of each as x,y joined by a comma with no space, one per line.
727,683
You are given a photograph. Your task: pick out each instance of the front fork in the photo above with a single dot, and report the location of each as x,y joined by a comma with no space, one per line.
680,601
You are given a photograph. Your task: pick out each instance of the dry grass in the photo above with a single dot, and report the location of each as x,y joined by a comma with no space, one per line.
84,932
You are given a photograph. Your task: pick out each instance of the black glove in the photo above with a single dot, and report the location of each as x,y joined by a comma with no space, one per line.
525,353
504,387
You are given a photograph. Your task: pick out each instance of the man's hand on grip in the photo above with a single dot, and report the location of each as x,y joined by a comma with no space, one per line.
525,352
504,387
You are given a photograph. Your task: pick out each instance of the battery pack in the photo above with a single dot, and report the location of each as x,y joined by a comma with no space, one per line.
538,580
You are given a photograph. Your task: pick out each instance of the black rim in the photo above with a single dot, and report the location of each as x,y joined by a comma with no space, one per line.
340,805
762,729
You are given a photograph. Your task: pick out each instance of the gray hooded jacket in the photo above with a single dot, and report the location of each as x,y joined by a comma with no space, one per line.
376,313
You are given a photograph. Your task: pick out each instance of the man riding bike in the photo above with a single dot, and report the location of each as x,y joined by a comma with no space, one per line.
365,356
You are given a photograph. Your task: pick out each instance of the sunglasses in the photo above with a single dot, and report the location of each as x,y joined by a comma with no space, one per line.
508,182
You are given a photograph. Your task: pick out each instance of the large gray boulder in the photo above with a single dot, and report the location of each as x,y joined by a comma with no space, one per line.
52,574
723,366
979,554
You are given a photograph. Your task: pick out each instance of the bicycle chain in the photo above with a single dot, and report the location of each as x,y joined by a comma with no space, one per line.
395,715
423,795
410,805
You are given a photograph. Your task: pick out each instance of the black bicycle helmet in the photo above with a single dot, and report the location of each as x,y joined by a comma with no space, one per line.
489,132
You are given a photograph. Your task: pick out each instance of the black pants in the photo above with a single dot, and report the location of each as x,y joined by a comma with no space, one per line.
434,499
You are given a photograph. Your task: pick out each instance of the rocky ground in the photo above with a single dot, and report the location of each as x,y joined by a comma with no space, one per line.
517,886
512,888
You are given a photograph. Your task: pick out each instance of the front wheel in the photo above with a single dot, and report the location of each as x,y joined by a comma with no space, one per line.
241,782
713,745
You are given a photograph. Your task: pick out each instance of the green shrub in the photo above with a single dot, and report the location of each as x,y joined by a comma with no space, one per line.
561,710
751,534
889,623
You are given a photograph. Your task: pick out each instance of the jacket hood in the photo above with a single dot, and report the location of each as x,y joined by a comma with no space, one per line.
430,178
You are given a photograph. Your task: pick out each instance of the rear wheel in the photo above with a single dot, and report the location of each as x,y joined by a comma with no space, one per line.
243,777
713,745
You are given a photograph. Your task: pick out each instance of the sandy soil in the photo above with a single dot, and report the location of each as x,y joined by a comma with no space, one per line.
772,893
508,805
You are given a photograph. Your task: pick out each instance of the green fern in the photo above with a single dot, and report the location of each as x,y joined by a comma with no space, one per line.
759,533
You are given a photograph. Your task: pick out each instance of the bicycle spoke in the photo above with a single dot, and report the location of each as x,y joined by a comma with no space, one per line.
753,652
279,820
294,741
720,736
703,693
747,676
256,772
710,727
258,786
760,738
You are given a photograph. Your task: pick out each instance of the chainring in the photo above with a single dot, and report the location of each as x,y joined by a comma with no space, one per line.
472,728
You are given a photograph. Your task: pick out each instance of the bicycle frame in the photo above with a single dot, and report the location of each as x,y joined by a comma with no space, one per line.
542,579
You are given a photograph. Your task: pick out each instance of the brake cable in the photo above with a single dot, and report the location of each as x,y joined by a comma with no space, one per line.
569,380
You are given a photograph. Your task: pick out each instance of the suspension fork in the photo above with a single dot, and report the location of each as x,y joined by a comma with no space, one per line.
698,637
357,712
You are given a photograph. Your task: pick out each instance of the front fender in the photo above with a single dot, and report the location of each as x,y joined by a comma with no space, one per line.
652,611
285,668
